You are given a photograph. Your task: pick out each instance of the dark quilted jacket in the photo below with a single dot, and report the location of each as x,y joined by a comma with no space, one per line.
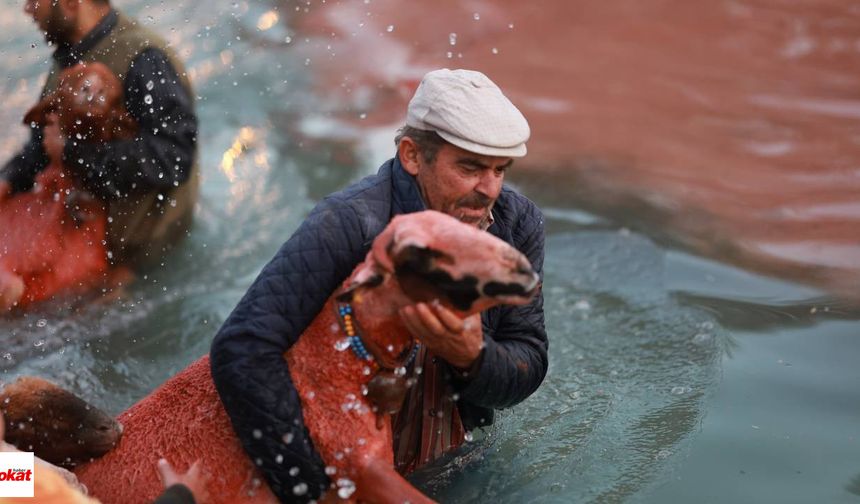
248,366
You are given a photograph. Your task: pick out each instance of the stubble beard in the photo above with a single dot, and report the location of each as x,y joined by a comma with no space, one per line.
58,29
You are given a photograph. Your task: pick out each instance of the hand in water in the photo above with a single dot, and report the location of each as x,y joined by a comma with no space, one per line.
5,190
11,290
53,140
194,480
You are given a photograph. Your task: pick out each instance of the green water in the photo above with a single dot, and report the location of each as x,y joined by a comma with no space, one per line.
672,378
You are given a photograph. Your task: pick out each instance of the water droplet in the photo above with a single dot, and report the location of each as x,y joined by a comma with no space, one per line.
701,338
342,344
511,26
345,488
663,454
468,437
147,99
257,434
300,489
41,323
288,39
294,471
495,50
582,304
362,116
390,28
331,470
39,343
150,85
680,390
401,371
288,438
476,16
279,459
452,38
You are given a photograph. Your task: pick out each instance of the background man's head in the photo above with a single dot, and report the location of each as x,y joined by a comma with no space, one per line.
461,135
65,21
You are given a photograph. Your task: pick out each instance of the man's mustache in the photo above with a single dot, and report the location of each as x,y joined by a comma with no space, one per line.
475,201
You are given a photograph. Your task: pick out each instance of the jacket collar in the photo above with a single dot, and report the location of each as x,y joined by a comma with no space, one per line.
406,196
67,55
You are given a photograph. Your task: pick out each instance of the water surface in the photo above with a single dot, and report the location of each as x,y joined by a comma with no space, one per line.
672,378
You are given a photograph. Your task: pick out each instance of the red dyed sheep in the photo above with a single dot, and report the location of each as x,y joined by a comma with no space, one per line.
420,256
53,237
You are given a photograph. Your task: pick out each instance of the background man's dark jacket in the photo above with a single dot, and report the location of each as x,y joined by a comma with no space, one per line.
248,366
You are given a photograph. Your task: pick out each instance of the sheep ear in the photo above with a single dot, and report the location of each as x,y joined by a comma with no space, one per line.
393,241
39,113
367,276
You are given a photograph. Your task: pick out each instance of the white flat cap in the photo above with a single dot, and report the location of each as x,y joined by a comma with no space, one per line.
468,110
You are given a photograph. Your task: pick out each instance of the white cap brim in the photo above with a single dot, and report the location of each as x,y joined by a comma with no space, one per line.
514,151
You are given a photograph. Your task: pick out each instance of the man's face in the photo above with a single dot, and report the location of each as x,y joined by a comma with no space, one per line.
462,184
52,20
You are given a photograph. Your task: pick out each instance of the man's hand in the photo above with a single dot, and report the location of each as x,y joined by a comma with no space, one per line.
194,480
456,340
5,190
11,290
53,140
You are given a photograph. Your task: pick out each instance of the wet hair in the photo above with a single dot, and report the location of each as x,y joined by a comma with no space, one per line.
428,142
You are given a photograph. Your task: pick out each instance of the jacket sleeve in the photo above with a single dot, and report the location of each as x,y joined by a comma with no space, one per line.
248,366
21,170
160,157
514,361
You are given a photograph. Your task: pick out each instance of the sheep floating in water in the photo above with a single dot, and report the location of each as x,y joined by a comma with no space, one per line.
418,257
53,237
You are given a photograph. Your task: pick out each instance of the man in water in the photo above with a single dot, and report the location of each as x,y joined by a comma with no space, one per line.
149,183
460,138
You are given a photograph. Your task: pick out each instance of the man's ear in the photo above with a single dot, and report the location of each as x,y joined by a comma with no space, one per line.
407,151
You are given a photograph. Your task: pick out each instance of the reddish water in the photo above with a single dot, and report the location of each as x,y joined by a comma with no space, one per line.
730,127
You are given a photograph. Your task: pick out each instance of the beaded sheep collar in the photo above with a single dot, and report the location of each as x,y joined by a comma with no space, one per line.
387,389
353,333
